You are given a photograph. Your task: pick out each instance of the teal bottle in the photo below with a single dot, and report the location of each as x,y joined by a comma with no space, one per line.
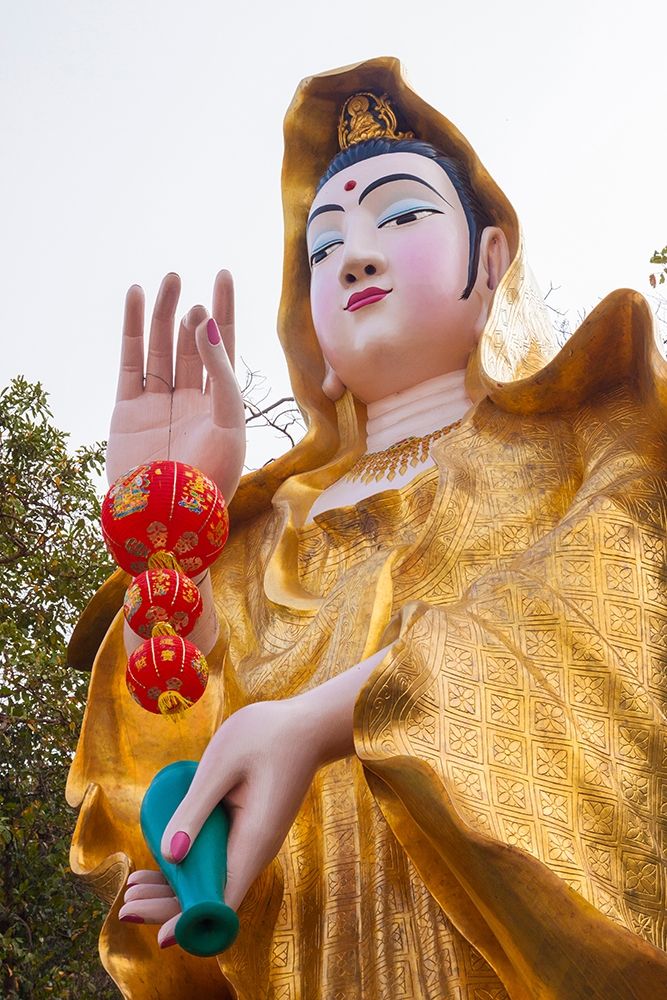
206,925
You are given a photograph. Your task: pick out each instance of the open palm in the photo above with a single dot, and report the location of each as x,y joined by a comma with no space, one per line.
164,410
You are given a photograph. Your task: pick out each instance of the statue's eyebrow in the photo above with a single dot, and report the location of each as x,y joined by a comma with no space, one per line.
400,177
323,208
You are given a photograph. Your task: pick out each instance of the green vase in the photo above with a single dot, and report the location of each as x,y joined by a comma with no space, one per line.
206,925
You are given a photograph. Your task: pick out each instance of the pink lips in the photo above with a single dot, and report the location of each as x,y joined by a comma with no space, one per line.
365,298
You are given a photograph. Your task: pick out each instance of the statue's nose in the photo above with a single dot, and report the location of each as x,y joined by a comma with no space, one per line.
351,276
362,262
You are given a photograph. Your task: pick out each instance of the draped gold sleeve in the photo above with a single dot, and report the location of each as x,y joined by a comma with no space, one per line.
515,737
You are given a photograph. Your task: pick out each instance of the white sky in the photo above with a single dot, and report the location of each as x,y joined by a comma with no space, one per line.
146,136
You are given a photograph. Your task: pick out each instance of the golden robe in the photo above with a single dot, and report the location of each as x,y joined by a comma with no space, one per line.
500,831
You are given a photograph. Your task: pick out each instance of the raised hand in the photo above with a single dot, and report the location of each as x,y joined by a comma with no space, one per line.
165,411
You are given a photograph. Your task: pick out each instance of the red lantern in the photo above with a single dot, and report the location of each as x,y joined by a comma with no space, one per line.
166,674
162,595
164,507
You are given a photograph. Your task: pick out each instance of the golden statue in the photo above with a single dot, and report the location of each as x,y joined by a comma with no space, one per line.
442,626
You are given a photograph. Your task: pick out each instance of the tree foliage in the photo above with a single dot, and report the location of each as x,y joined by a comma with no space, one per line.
660,276
52,559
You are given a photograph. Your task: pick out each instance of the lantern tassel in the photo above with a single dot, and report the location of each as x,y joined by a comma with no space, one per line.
172,704
164,560
162,628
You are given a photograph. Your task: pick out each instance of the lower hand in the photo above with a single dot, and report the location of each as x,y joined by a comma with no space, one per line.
260,764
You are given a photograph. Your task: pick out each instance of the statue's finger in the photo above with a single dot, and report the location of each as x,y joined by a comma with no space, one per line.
146,875
166,936
148,890
223,311
131,372
159,363
149,911
189,367
226,401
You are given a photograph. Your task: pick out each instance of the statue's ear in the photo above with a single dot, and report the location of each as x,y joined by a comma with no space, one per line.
494,257
332,387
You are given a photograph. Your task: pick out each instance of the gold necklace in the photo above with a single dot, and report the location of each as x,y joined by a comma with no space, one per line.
396,459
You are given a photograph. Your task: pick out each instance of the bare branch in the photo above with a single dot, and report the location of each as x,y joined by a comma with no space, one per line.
553,288
267,409
281,415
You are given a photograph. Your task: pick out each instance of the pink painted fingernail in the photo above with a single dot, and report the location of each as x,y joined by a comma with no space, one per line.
179,845
213,332
168,941
132,918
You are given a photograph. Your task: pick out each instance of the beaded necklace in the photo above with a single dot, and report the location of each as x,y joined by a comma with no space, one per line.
397,459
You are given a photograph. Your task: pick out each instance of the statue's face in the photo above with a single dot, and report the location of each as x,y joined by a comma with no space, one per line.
389,257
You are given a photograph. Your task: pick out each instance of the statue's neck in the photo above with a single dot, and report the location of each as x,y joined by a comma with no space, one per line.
416,411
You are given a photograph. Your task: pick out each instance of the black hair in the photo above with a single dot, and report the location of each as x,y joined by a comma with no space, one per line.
477,217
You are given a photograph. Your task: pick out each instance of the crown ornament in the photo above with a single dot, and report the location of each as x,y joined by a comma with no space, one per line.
367,116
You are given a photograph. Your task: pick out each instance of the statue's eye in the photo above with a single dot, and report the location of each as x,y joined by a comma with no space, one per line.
412,215
320,253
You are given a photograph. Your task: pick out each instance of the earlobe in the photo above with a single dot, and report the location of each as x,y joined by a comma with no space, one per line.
494,259
332,387
494,256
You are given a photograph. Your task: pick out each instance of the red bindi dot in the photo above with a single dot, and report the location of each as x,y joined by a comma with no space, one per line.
350,185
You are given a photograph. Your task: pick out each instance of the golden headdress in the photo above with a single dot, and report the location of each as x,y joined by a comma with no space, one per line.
367,116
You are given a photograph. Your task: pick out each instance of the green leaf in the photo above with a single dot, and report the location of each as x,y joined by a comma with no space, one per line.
53,560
